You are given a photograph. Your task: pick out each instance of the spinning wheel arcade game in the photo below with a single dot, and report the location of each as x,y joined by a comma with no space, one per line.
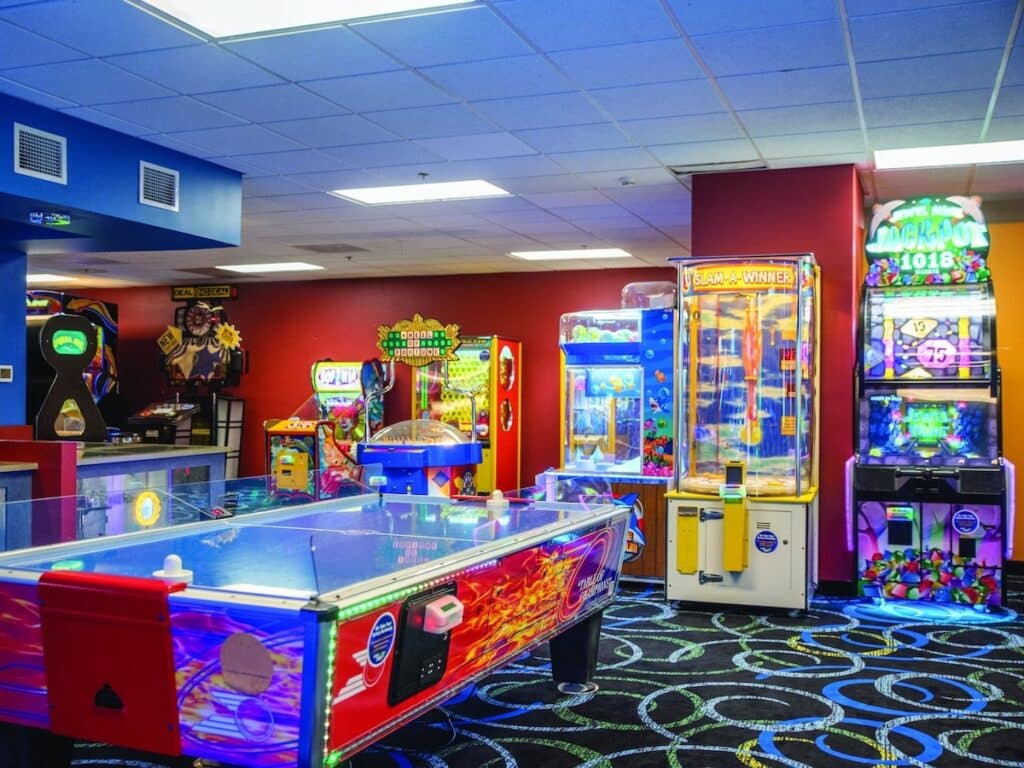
312,454
742,523
930,486
490,367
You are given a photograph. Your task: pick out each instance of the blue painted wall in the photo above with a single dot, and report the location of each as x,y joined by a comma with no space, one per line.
12,335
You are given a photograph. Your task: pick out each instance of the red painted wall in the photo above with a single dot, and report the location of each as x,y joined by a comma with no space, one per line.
799,210
286,326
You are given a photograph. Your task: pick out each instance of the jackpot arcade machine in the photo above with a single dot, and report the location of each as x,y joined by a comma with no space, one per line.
617,406
742,524
931,502
490,368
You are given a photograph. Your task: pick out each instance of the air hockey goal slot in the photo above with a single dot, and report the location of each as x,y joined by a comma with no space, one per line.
424,636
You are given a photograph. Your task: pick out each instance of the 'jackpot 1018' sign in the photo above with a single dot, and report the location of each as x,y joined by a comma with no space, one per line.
927,241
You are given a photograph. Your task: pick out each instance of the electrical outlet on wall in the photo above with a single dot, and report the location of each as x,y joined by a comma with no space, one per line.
6,373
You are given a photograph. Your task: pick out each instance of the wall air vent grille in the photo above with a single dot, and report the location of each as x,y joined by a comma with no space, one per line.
40,154
158,186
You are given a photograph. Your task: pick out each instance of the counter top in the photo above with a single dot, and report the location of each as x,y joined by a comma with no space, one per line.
104,453
18,466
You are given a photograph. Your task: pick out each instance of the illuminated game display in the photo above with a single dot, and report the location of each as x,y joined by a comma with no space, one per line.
312,454
931,516
743,520
489,367
298,636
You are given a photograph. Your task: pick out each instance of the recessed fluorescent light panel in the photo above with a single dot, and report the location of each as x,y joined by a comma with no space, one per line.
43,277
233,18
279,266
951,154
421,193
580,253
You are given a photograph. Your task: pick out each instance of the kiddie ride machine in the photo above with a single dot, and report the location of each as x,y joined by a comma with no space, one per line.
617,406
312,454
421,456
489,367
932,504
742,524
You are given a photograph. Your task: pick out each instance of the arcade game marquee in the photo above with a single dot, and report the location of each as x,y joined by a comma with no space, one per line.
742,524
297,636
932,504
617,412
491,369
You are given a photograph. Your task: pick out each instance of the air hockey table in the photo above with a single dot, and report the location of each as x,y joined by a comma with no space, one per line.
296,636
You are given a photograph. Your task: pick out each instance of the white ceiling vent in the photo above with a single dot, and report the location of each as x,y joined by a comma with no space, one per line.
40,154
158,186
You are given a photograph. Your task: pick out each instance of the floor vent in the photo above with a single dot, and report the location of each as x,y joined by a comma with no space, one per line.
40,154
158,186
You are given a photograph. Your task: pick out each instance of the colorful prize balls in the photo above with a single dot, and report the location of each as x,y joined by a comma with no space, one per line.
593,333
937,575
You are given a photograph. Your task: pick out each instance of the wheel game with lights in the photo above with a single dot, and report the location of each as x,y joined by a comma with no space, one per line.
742,523
490,368
932,494
421,456
312,453
617,412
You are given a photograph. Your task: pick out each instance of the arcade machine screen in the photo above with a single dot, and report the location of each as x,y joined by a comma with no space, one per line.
470,373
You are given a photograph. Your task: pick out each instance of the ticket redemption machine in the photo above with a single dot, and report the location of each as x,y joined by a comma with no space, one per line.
489,367
312,453
743,520
932,505
617,404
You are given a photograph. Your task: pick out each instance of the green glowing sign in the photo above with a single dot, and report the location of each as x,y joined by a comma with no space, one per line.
927,424
69,342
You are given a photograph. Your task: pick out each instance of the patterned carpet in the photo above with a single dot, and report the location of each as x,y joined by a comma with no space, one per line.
684,686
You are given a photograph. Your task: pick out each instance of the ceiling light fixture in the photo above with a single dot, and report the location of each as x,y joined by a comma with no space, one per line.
421,193
579,253
45,277
233,18
950,154
279,266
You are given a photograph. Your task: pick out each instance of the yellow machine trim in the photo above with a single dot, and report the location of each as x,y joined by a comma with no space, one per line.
735,535
963,330
804,498
687,540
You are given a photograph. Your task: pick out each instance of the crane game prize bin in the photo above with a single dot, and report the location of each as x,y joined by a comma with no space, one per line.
489,368
421,456
742,524
312,454
932,495
617,413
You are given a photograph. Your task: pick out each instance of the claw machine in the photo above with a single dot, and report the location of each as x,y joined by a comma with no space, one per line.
742,522
491,369
617,404
932,506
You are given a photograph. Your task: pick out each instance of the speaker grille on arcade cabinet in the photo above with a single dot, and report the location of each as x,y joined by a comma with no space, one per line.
40,154
158,186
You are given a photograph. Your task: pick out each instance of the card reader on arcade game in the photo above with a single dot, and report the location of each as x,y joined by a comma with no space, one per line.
424,635
735,538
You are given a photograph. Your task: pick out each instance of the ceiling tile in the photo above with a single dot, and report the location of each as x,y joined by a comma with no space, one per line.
22,48
800,46
917,75
99,27
811,144
176,113
922,135
266,186
237,140
869,7
88,82
496,169
628,177
174,141
107,121
478,146
431,122
531,185
783,89
832,158
383,154
675,130
399,89
335,131
701,18
655,61
576,138
983,24
926,109
703,152
341,179
1015,67
500,78
604,160
683,97
295,161
811,118
272,102
1010,102
1005,129
464,34
196,69
20,91
315,54
566,24
548,111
